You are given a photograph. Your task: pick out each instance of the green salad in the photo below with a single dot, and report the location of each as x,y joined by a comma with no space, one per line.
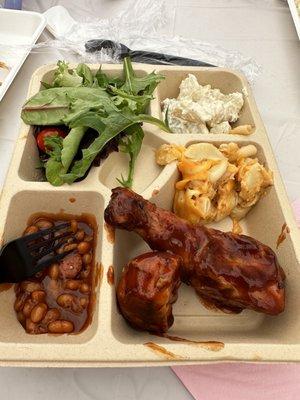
113,107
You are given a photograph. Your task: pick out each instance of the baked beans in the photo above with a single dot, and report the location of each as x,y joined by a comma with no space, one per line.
57,300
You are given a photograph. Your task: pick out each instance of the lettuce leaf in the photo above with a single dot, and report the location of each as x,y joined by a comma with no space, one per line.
61,154
53,166
107,127
52,106
143,85
81,100
104,80
71,145
85,73
64,78
138,104
131,144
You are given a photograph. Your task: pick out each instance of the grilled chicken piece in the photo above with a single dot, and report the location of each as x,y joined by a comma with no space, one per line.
228,271
147,290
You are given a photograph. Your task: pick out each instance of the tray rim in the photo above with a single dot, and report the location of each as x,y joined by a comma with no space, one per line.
263,352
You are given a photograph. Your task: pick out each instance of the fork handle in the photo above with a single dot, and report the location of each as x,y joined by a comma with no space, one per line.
149,57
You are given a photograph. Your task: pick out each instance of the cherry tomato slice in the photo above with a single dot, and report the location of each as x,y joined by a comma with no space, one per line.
51,131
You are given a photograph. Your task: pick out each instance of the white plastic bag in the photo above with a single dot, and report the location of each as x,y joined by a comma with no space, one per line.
138,27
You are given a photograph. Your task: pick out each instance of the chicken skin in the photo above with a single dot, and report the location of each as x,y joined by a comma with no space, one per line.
228,271
147,289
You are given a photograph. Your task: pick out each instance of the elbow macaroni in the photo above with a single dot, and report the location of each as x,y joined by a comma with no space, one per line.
216,182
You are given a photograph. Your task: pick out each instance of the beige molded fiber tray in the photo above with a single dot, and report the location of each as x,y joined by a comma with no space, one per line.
109,341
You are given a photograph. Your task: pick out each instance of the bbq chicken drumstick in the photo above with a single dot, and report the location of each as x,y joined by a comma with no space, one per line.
147,290
228,271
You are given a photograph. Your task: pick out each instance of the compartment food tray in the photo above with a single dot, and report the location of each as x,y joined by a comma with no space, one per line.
109,341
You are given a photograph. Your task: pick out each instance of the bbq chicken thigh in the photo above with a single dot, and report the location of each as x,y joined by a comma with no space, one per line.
147,290
228,271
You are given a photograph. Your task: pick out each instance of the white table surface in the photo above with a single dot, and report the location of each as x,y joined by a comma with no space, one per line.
262,29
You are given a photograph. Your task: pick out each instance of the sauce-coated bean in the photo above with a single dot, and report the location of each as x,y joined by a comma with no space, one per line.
70,247
87,258
84,247
38,295
60,326
74,226
52,315
28,286
43,224
61,249
38,312
21,317
84,301
54,271
28,306
80,235
20,301
66,300
32,327
72,284
31,229
84,288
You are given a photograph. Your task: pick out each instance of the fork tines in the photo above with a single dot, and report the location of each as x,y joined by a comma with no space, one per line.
41,248
44,232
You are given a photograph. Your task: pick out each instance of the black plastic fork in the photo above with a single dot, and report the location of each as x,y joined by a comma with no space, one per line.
147,57
24,257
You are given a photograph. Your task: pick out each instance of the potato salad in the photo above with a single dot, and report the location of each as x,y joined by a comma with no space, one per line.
202,109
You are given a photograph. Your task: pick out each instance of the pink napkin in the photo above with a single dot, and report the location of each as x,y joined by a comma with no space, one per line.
241,381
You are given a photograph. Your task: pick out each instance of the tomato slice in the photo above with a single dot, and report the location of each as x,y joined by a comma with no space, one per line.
50,131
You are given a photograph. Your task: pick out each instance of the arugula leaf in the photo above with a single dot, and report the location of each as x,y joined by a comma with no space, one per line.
79,107
113,124
167,119
53,169
53,145
53,166
131,144
82,76
135,103
104,80
87,77
61,154
139,85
